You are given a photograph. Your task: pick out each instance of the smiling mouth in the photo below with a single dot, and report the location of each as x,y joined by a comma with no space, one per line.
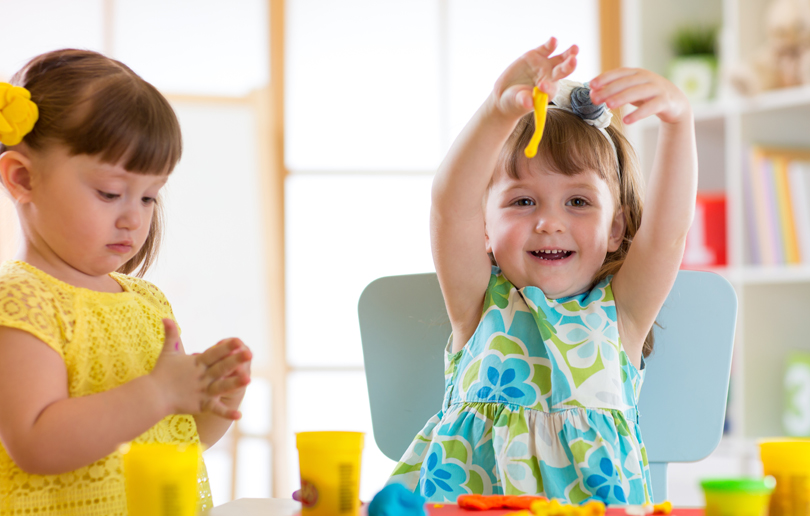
552,254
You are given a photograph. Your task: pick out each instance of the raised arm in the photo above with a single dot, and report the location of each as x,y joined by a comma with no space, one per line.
457,212
644,281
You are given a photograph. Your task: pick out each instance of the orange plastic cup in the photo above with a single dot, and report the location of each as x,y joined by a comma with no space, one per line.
788,461
161,479
329,463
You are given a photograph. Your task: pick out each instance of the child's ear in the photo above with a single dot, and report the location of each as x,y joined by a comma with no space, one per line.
486,240
15,172
617,229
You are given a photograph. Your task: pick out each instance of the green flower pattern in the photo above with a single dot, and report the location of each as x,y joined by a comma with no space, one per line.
541,400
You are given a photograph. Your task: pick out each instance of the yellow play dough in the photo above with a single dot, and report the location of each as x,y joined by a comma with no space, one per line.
540,100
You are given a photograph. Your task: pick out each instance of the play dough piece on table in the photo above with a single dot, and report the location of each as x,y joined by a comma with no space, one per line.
555,508
638,510
663,508
488,502
540,101
396,500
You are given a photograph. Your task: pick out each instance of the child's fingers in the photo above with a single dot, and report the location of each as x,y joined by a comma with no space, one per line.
609,76
619,86
565,68
228,384
633,95
218,408
649,108
547,48
545,69
219,351
171,340
228,364
523,98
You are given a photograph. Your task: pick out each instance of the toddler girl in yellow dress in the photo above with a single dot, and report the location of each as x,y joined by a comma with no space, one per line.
90,356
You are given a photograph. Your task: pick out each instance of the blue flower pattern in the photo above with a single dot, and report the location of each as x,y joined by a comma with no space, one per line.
604,484
504,382
441,480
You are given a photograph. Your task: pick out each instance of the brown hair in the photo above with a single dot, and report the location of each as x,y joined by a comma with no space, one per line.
570,146
97,106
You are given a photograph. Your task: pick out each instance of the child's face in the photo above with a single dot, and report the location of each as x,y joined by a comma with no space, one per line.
92,215
548,211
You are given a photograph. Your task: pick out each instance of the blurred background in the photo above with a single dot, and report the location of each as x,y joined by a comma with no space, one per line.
312,129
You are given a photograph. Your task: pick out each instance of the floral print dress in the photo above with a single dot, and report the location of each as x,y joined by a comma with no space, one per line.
541,400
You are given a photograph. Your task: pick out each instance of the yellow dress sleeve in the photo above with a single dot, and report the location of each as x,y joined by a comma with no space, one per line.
27,304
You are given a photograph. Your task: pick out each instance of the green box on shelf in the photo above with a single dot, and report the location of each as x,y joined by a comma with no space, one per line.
796,412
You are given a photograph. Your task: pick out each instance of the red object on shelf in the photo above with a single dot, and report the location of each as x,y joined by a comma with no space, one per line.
706,241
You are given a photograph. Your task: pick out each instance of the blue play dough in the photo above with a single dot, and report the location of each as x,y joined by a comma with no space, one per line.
396,500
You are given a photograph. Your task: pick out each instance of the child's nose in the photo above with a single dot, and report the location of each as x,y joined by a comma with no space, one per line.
130,219
550,221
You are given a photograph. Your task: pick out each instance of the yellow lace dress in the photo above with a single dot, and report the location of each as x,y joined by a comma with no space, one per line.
106,340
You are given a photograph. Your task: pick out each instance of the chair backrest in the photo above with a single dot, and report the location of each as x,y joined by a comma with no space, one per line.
404,329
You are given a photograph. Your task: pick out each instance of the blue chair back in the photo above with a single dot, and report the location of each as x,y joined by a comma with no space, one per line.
404,329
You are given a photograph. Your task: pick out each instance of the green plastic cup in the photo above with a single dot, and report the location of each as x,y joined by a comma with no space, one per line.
737,496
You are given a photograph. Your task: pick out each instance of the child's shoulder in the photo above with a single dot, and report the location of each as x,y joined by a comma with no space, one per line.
141,287
18,274
31,303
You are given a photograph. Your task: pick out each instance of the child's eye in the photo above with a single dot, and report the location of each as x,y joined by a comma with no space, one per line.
147,200
524,202
108,196
578,202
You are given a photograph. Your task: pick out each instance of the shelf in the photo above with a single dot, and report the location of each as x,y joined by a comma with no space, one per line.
775,274
771,299
784,98
761,275
775,99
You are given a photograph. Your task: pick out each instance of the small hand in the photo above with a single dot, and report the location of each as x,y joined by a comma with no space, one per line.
648,91
228,365
189,384
537,67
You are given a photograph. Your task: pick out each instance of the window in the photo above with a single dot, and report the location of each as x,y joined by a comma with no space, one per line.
376,91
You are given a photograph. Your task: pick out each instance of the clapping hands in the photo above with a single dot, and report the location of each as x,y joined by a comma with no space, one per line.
212,381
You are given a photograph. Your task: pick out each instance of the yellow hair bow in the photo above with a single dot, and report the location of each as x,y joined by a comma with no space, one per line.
17,113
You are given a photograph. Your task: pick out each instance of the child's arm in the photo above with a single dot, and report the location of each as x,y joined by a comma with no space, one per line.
647,275
47,432
458,237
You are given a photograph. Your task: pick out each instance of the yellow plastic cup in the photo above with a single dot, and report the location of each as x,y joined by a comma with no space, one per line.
788,461
161,479
329,463
737,496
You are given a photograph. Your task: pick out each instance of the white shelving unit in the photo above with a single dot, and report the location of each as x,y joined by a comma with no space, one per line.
773,301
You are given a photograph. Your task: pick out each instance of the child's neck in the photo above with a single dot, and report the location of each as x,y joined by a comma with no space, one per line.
53,265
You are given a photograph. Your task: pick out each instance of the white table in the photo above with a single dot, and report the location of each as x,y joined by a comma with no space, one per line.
258,507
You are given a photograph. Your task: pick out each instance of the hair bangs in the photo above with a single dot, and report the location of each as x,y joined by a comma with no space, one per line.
569,146
126,120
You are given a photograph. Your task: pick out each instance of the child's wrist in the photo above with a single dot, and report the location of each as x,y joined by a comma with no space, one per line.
156,392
